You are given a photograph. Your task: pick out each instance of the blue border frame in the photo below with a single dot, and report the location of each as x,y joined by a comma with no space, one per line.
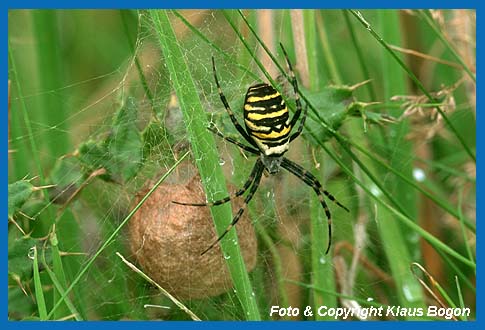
192,4
235,4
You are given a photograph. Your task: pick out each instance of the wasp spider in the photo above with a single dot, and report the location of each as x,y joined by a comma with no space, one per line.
268,128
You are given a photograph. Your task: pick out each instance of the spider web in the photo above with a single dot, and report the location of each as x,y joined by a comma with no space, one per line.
102,206
109,289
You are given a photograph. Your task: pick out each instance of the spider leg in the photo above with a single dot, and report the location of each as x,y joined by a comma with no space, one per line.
228,108
313,182
233,141
238,193
258,169
302,123
307,177
294,83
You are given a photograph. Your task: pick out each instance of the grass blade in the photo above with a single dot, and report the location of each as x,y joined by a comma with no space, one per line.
60,284
50,75
39,294
323,275
165,292
205,152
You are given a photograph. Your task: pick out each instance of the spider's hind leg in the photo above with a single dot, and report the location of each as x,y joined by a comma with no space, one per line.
313,182
258,171
252,178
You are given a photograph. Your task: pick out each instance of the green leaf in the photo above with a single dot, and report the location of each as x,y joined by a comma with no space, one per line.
19,263
331,104
19,305
18,193
66,176
358,109
94,155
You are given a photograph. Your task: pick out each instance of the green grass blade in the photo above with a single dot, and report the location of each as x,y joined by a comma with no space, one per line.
457,270
34,150
460,298
392,235
59,282
323,275
462,226
438,201
328,53
39,293
60,277
205,152
47,34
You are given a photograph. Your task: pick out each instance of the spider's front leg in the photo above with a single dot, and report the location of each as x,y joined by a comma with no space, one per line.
214,130
228,108
294,83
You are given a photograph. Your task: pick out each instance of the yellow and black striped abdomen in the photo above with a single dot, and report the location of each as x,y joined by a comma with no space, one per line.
267,119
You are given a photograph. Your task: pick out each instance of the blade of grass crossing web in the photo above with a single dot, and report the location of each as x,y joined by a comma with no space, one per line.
34,150
207,159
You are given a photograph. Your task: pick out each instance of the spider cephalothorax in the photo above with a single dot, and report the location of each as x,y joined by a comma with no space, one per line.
268,130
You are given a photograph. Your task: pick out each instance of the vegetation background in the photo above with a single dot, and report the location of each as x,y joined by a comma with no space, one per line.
101,101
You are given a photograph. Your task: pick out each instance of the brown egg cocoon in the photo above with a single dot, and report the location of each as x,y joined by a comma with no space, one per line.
167,240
